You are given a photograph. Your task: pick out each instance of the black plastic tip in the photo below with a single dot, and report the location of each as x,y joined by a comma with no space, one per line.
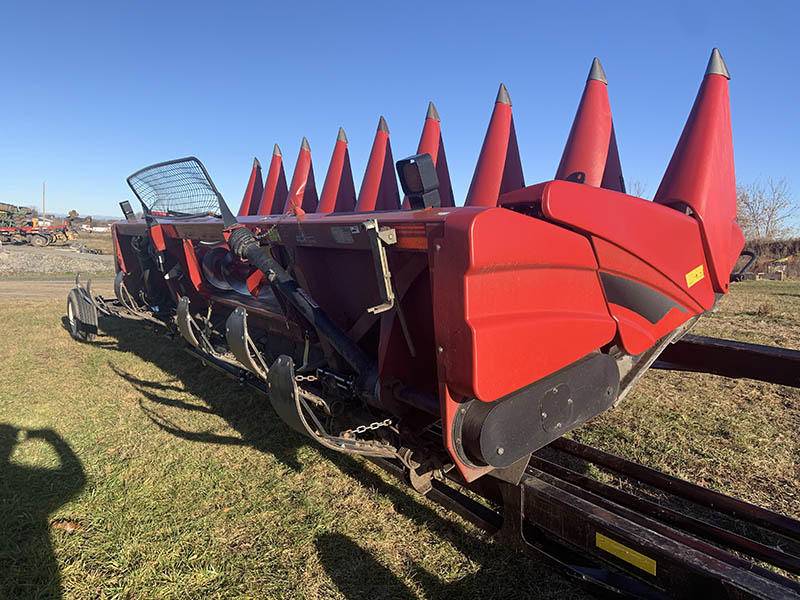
432,112
382,126
502,95
597,72
716,65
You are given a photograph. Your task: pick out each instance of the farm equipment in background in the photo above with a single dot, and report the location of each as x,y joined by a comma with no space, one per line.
451,343
19,226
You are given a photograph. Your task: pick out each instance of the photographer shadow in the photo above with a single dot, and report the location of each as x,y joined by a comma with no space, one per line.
28,496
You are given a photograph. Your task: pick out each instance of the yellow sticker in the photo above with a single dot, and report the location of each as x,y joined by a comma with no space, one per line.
629,555
694,276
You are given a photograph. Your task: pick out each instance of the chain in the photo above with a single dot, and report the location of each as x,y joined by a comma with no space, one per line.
289,212
320,402
370,427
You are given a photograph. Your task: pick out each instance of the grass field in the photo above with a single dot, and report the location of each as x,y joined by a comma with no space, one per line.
127,470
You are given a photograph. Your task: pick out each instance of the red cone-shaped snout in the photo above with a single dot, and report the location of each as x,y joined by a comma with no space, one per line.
701,174
379,186
499,169
253,192
431,143
303,191
338,191
275,190
590,155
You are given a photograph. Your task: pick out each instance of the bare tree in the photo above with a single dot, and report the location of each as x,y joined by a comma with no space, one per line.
766,208
636,187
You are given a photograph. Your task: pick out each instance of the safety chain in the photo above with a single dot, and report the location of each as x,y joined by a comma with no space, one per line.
370,427
311,396
289,212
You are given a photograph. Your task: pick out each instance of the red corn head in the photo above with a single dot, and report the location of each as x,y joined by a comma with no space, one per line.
253,193
338,191
303,191
431,143
275,191
379,187
701,175
591,154
499,168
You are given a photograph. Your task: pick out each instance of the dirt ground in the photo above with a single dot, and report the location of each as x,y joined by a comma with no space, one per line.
58,260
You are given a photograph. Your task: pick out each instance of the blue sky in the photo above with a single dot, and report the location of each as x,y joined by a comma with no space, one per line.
93,92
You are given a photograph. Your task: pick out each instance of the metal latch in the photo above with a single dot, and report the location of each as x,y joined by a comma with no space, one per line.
377,239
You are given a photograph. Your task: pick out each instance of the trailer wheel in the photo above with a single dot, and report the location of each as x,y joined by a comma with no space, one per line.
40,241
81,317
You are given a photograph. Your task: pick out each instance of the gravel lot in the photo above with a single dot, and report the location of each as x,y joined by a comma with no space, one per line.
28,260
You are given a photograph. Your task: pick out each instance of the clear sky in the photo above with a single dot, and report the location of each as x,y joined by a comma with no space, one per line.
93,92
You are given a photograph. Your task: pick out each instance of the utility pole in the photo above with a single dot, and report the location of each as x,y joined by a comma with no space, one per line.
43,200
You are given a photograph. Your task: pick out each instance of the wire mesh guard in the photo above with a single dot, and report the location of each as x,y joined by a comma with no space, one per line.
176,188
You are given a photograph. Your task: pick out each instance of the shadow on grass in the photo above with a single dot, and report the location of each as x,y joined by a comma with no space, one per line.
28,496
352,569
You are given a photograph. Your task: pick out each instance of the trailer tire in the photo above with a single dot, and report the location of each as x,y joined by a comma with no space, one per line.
81,317
40,241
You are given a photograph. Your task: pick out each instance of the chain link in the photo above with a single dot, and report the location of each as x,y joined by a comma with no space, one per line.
300,378
370,427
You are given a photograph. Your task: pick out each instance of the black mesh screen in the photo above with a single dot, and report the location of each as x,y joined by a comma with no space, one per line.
176,187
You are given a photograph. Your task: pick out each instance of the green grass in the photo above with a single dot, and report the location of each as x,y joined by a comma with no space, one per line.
186,486
180,484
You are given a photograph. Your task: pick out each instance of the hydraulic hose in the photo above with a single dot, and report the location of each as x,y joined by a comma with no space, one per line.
243,243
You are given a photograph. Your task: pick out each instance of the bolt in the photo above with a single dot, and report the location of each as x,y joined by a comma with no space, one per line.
458,441
501,450
544,415
440,349
558,425
463,410
569,401
438,247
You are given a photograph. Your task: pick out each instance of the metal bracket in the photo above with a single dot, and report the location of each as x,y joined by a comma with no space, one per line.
378,238
241,344
190,330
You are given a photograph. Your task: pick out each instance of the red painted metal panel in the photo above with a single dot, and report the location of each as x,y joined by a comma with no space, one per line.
701,175
515,299
665,239
275,190
192,264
